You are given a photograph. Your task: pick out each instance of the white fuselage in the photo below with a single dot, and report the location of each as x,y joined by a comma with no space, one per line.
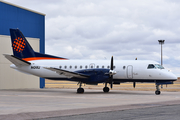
126,70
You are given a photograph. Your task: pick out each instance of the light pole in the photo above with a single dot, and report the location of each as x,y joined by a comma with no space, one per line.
161,42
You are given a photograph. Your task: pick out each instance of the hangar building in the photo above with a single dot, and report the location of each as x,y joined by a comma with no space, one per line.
32,25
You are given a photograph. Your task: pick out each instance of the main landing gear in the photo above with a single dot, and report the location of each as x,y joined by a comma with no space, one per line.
106,89
157,92
80,90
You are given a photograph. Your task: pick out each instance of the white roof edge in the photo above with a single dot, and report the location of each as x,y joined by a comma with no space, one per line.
22,7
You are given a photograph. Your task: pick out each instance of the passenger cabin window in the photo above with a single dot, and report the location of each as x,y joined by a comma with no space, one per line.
81,66
108,67
97,66
151,66
70,67
65,67
75,67
60,67
102,66
114,67
86,66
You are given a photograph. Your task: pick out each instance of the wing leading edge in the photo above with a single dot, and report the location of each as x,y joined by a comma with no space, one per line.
69,74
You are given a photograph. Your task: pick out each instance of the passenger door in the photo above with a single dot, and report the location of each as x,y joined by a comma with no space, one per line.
130,72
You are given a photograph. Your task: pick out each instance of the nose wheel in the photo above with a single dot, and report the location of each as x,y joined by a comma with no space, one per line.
157,92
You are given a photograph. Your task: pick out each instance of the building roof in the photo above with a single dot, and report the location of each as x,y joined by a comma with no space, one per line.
22,7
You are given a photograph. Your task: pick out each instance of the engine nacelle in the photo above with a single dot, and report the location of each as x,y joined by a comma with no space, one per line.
96,75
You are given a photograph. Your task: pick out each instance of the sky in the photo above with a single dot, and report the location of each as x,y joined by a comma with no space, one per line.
99,29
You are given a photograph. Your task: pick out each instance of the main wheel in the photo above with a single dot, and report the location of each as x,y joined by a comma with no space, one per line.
157,92
80,90
106,89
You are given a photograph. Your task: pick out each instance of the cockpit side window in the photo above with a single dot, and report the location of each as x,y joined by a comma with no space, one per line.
151,66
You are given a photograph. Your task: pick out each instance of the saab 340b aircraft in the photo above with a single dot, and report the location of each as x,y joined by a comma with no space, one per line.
92,72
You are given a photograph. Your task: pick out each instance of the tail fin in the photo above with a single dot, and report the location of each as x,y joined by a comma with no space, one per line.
23,50
21,47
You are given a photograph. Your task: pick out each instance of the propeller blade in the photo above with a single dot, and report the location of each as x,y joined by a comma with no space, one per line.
111,85
112,63
111,76
134,84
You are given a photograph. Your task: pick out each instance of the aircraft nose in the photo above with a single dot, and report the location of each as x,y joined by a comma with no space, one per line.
173,76
169,75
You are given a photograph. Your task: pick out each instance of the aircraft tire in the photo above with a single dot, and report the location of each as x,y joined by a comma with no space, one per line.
157,92
80,90
106,89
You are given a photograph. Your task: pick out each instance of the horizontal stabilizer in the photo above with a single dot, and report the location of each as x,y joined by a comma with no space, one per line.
69,74
17,61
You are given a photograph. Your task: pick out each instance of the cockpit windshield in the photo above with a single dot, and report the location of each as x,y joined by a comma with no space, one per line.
158,66
155,66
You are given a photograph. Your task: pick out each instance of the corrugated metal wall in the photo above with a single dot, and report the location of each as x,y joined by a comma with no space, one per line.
30,23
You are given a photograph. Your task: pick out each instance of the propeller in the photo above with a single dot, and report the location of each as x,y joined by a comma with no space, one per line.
111,73
134,84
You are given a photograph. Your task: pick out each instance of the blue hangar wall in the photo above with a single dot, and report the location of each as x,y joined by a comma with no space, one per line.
31,24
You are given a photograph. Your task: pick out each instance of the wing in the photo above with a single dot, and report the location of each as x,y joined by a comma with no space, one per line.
17,61
69,74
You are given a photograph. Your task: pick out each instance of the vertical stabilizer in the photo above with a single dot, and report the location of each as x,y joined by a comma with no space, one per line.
23,50
21,47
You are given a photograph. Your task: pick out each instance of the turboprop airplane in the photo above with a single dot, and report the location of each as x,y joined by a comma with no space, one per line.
92,72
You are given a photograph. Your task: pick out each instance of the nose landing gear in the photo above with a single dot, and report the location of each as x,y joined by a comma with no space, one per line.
157,92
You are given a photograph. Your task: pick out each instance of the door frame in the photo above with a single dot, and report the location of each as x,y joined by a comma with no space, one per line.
130,72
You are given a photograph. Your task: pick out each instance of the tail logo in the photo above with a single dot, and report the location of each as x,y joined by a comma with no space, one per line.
19,44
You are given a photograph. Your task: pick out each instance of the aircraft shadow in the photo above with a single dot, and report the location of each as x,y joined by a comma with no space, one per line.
73,91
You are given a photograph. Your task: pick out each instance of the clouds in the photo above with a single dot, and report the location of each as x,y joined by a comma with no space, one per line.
95,29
